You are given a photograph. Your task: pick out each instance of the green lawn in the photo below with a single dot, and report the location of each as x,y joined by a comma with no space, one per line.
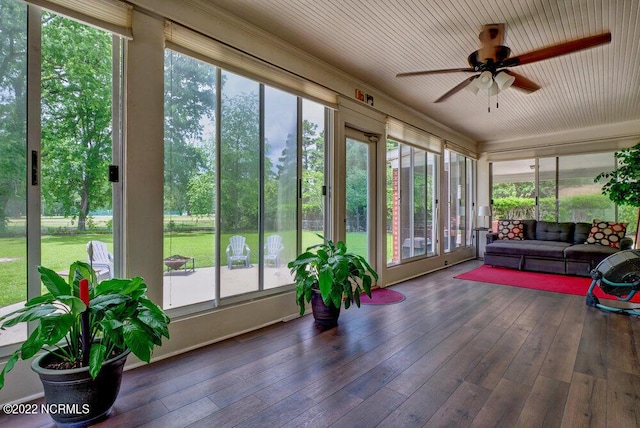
59,251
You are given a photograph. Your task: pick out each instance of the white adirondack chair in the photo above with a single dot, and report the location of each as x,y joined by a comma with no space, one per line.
238,251
102,259
272,248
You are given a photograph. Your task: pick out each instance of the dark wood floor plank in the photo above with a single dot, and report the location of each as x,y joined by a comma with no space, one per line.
233,414
545,405
623,399
502,408
491,368
563,352
371,411
338,379
593,349
587,402
417,409
461,407
325,412
454,371
622,351
526,364
184,416
454,353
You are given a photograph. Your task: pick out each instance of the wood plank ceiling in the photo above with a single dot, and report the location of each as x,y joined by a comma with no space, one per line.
374,40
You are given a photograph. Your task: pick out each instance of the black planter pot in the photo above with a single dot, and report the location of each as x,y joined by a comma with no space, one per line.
325,316
72,397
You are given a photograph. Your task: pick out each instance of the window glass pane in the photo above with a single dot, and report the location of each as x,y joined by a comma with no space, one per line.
405,182
547,189
393,202
459,173
280,185
513,190
313,172
240,184
431,191
357,196
77,147
580,199
411,181
189,178
13,148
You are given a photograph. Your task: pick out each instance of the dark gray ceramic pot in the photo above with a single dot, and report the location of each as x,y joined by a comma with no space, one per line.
72,397
325,316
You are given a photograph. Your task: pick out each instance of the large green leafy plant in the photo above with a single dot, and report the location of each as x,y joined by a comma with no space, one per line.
119,316
623,183
339,275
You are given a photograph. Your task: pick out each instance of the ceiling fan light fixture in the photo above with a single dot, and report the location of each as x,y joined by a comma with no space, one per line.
472,87
494,89
504,80
485,80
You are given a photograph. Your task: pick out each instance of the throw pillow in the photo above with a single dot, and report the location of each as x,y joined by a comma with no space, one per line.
510,229
606,233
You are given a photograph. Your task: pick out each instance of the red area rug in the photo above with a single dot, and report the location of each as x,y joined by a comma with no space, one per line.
382,296
538,281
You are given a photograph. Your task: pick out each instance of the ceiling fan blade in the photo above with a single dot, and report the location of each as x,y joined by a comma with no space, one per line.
523,83
425,72
558,50
457,88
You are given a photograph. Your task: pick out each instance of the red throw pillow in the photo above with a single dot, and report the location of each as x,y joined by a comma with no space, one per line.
511,229
606,233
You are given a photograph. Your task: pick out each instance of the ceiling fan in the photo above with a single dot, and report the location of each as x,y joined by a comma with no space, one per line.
493,59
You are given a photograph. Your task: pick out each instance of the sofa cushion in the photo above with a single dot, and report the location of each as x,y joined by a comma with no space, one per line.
581,233
549,249
529,229
606,233
588,252
552,231
510,229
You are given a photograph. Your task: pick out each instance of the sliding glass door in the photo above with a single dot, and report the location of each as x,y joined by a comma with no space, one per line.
55,189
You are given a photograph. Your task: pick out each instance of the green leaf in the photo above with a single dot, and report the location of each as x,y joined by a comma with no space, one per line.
32,313
11,362
32,345
102,302
55,327
96,358
137,339
54,282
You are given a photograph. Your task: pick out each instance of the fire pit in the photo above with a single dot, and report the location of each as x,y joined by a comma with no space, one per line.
177,261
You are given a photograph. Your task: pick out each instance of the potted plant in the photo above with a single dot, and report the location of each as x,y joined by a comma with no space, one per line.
623,183
87,330
329,276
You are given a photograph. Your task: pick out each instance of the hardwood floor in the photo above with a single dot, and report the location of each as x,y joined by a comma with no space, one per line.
454,353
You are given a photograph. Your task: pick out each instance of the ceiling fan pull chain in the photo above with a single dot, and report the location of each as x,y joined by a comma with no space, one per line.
489,100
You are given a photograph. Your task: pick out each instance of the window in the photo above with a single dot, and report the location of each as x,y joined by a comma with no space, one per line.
237,153
565,190
70,202
513,190
13,165
411,202
459,173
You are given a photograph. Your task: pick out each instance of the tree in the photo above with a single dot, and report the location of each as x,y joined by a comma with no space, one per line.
623,183
76,117
313,172
190,102
13,122
240,163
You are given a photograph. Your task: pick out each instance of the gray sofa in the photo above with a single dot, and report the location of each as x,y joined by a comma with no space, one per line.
550,247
